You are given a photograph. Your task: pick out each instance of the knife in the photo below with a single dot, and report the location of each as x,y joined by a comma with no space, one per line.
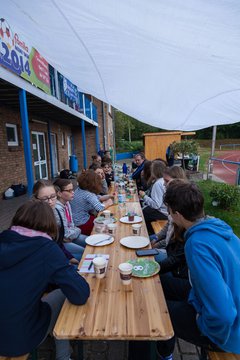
101,241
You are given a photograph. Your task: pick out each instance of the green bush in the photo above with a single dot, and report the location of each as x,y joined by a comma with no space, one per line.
225,195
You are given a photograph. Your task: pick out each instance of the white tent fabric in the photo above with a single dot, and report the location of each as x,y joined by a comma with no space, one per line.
174,64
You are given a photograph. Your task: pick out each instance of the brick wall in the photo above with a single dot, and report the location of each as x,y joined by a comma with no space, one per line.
12,161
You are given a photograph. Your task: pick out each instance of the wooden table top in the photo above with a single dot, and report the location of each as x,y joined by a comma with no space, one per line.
113,311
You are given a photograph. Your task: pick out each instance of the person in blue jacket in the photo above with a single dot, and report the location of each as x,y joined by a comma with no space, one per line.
29,261
136,175
210,316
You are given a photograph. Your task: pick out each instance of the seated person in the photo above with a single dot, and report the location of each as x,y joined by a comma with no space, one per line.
30,260
212,253
108,171
65,194
98,170
96,159
153,205
44,190
86,200
136,175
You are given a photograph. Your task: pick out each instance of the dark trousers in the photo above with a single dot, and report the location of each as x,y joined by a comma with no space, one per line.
150,215
183,316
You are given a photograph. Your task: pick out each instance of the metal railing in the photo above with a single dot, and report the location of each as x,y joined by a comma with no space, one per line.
228,145
210,167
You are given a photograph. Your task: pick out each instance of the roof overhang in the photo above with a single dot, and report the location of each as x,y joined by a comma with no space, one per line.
39,103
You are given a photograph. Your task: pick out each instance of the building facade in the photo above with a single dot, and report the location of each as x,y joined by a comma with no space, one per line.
44,120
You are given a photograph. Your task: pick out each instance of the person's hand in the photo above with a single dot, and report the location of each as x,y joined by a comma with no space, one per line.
154,244
108,203
141,193
74,261
67,240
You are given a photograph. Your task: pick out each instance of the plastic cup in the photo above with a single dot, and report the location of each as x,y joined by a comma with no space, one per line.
107,214
125,273
136,229
112,183
99,227
112,228
99,264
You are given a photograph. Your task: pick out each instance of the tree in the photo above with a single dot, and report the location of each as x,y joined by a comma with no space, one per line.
185,147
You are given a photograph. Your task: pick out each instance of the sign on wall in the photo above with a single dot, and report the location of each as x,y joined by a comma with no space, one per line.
17,56
70,90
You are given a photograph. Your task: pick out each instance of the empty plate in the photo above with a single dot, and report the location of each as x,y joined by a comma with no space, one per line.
135,242
137,219
99,240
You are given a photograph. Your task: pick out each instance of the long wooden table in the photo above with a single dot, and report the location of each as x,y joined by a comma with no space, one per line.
114,311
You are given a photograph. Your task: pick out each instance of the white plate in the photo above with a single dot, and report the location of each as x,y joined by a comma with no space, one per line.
135,242
94,239
137,219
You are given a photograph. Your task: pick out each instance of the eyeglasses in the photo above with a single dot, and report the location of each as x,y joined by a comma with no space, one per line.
47,198
69,191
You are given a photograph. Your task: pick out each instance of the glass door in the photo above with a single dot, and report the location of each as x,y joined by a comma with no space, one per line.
39,155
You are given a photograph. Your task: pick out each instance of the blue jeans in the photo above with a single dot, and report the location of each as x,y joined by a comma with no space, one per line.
74,249
80,240
162,254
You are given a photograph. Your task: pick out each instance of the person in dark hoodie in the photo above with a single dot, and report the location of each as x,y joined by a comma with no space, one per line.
29,261
210,317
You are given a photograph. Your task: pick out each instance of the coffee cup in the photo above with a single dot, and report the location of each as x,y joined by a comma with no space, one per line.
99,264
125,273
107,214
136,229
112,228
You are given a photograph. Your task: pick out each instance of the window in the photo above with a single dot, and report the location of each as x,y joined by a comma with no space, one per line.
12,137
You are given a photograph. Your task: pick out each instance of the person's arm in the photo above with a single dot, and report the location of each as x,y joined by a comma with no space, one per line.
72,232
73,285
210,294
156,199
103,198
94,201
175,258
104,187
137,173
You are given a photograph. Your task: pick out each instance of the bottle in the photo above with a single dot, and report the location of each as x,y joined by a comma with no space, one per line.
121,195
124,168
115,200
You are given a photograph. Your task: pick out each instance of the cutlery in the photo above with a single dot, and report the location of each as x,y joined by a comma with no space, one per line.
101,241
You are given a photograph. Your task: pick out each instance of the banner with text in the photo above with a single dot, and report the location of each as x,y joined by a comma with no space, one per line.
22,59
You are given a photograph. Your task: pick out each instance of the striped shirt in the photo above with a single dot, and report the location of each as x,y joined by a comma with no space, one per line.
83,202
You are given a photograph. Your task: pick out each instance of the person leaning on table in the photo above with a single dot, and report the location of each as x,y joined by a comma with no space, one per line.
210,317
29,261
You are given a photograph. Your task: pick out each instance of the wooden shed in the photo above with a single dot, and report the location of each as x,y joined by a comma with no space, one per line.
155,144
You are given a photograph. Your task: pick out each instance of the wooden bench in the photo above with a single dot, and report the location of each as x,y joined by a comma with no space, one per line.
158,225
223,356
23,357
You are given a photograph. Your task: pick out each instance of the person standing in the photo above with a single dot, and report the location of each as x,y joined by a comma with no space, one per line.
210,316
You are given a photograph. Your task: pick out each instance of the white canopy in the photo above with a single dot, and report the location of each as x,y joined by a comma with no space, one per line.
174,64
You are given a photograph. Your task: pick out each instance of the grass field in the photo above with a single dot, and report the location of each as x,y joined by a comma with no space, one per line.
231,216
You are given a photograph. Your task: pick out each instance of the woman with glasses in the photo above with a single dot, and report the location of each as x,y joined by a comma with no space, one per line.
65,193
44,190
